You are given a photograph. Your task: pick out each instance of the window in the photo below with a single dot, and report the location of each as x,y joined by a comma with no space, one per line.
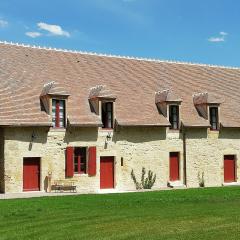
58,113
80,160
174,116
213,112
107,114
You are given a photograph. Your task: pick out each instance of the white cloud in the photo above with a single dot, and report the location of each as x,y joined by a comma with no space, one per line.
216,39
220,38
223,33
3,23
53,29
33,34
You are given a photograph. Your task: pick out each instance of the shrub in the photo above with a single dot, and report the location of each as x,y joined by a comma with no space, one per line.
201,179
146,183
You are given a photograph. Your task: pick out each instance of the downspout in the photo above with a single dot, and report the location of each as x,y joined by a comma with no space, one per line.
184,157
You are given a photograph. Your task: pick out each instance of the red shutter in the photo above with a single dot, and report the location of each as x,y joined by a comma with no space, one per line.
57,114
92,157
69,161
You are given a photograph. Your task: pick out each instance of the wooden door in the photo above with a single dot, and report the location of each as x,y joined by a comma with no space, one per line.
106,172
174,166
31,174
229,168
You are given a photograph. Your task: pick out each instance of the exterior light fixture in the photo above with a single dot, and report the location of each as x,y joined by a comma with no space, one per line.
109,136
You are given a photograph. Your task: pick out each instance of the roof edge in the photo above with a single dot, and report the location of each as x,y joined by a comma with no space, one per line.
117,56
123,124
26,125
74,124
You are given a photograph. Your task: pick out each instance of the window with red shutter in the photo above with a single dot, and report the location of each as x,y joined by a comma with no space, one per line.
92,159
69,161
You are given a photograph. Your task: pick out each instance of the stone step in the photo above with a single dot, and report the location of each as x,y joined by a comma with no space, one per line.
176,184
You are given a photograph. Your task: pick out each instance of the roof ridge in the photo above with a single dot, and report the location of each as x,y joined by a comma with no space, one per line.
117,56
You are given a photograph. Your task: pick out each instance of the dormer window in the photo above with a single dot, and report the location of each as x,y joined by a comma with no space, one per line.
53,99
208,106
101,101
168,104
174,116
58,113
107,114
213,117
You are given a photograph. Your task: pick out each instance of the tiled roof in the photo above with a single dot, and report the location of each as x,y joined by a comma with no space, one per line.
101,91
25,70
166,96
54,88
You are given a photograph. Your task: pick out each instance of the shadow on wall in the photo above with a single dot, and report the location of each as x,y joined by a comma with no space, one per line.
36,134
87,134
229,133
140,134
196,133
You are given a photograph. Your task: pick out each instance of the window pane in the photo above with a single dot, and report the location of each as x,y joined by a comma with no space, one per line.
61,102
61,124
174,116
54,103
58,113
75,164
61,114
54,112
107,114
80,160
213,117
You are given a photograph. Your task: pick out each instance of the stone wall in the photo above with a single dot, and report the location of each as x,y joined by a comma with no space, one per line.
1,160
205,154
138,147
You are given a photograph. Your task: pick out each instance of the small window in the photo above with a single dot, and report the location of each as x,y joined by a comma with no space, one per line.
107,114
80,160
58,113
174,116
213,112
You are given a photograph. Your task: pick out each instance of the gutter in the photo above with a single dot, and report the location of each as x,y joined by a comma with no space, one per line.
184,157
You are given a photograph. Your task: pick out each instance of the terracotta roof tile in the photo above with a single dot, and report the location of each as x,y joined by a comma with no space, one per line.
25,70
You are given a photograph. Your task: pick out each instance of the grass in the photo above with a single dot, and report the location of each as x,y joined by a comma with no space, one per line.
211,213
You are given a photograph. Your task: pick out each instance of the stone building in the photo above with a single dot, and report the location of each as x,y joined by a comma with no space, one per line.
92,119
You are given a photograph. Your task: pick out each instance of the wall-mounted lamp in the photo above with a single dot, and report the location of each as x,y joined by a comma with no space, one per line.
121,161
109,136
33,137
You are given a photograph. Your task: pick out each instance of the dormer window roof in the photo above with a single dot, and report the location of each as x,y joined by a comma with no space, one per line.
101,92
54,89
102,103
206,98
207,106
164,98
53,98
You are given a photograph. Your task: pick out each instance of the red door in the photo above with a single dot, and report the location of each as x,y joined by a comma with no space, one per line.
229,168
106,172
174,166
31,174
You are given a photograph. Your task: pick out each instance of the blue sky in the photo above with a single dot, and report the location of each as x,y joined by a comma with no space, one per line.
205,31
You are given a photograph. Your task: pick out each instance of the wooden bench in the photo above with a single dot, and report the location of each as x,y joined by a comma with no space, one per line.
61,186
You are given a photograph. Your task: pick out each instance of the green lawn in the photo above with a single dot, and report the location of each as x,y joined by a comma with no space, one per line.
212,213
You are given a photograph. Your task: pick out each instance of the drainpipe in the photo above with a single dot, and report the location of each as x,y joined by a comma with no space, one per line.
184,158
